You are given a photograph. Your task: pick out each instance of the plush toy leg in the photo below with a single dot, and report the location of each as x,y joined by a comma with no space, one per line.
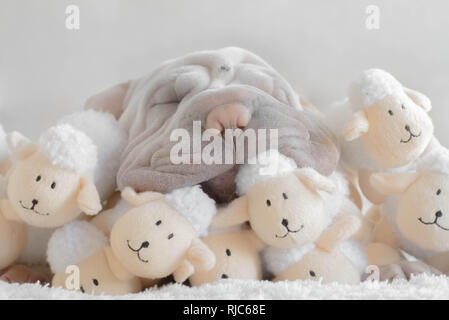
380,254
24,274
184,271
369,192
440,261
417,267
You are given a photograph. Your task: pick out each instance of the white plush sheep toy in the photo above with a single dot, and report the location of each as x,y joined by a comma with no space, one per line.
152,236
383,126
70,170
289,208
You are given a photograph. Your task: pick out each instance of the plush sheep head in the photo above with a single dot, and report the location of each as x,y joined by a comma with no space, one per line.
390,120
237,257
97,277
318,264
46,190
154,240
285,209
422,214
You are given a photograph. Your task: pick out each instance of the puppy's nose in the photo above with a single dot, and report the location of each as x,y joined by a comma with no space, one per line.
284,222
407,127
438,213
145,244
34,202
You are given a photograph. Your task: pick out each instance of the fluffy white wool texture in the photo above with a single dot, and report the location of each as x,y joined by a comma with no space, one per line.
371,86
354,251
195,206
262,167
423,287
276,260
73,243
109,138
69,148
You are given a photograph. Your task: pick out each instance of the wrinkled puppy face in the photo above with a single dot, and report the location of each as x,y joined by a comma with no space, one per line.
43,195
399,131
317,264
97,278
236,258
151,241
285,213
423,212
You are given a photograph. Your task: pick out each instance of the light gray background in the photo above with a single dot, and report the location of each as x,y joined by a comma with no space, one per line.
47,71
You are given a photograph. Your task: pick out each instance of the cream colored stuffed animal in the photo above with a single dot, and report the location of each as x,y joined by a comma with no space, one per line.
237,257
383,125
80,244
69,172
415,218
284,205
153,237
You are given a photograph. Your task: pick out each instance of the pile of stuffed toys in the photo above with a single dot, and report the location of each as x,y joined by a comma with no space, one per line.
97,191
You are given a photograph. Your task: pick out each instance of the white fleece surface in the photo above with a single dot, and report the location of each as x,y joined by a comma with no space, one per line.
420,287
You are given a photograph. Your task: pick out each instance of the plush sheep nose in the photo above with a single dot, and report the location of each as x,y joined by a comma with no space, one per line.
284,222
34,202
407,127
438,213
145,244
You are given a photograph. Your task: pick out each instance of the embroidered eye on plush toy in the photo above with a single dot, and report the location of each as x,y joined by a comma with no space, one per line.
237,257
415,218
384,125
68,172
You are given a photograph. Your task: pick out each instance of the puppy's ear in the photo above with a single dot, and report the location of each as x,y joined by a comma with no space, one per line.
88,199
235,213
20,146
357,127
200,256
116,267
137,200
391,183
314,180
420,99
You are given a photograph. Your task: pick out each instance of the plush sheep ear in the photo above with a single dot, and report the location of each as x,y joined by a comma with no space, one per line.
357,127
88,199
20,146
137,200
420,99
314,180
235,213
391,183
116,267
200,256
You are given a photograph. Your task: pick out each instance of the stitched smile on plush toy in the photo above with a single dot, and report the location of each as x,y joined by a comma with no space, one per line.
285,224
412,135
438,214
34,203
144,244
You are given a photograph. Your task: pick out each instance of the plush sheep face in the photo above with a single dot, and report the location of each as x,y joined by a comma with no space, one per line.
399,131
330,267
13,238
151,240
285,213
237,257
423,212
43,195
97,278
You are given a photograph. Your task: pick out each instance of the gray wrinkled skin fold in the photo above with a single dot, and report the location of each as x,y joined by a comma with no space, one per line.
186,89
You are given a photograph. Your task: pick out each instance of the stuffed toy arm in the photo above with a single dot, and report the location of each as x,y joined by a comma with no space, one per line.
344,227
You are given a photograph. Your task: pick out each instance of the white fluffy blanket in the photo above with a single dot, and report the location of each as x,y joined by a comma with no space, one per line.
420,287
